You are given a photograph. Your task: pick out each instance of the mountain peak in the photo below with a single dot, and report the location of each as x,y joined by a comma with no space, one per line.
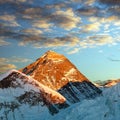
54,70
16,79
53,55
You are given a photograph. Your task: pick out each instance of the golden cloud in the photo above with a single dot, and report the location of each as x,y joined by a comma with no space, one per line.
104,19
92,27
66,19
7,17
41,24
14,59
43,41
31,31
6,67
100,40
10,20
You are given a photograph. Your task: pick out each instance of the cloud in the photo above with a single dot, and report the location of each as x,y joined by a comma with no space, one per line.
87,11
41,24
75,50
31,31
7,17
3,43
109,19
110,1
100,40
6,67
96,40
46,17
92,27
66,19
5,63
43,41
14,59
5,1
29,22
36,13
9,20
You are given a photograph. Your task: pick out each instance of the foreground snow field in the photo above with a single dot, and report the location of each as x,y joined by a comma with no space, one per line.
106,107
21,100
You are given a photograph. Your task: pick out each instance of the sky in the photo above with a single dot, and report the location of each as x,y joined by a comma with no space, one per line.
87,32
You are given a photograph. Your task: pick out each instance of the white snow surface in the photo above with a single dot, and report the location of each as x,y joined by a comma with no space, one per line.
105,107
70,72
34,85
2,76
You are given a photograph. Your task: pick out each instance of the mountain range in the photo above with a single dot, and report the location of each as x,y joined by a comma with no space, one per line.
53,88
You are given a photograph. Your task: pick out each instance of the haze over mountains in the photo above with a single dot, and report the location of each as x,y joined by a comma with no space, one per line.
52,89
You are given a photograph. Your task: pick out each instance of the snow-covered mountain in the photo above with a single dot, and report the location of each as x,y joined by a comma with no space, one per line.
23,98
110,83
47,89
107,83
58,73
18,91
105,107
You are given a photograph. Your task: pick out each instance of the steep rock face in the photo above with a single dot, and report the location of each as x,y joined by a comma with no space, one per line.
77,91
57,72
54,70
21,90
105,107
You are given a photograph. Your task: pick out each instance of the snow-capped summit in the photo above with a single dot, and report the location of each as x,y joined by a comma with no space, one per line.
58,73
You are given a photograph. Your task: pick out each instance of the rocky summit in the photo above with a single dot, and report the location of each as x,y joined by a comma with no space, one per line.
58,73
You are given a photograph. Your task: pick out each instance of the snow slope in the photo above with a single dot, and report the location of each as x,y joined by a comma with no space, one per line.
105,107
23,97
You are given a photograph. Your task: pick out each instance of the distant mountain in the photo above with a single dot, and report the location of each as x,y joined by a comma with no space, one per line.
107,83
18,90
110,83
58,73
105,107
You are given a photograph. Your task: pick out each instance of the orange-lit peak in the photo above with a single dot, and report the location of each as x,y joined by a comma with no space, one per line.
53,55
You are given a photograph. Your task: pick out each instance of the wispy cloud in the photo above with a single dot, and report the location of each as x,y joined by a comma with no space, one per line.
43,41
66,19
9,63
6,67
110,1
3,43
31,31
9,20
41,24
14,59
92,27
75,50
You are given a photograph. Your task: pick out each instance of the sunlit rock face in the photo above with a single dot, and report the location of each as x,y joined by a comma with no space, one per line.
58,73
54,70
